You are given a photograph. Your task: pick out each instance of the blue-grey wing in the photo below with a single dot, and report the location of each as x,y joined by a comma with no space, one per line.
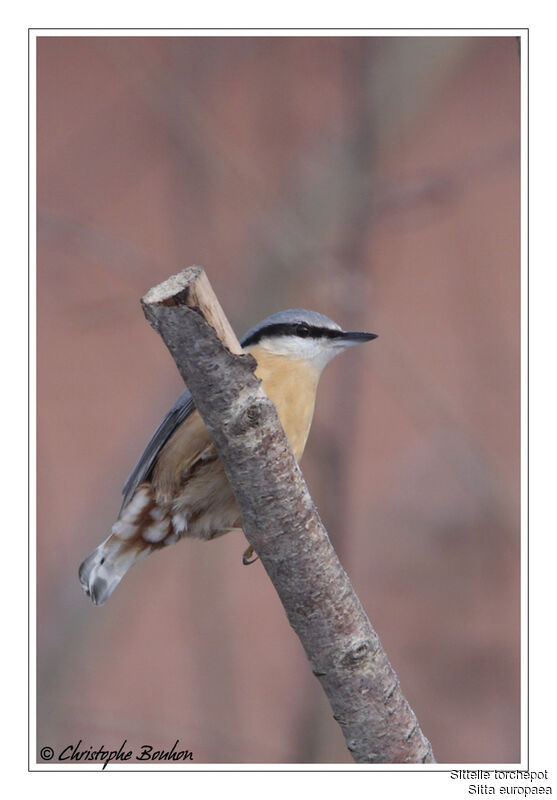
181,409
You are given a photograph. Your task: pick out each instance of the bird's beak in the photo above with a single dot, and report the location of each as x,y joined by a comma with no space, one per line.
355,337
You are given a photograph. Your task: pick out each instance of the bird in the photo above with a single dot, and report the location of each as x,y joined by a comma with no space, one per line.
178,488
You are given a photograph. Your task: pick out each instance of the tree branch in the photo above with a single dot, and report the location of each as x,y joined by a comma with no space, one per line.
281,523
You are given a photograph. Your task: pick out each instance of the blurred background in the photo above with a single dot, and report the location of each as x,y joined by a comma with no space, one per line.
375,179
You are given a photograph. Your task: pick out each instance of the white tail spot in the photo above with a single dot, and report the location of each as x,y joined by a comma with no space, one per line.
180,523
157,513
156,532
136,505
124,530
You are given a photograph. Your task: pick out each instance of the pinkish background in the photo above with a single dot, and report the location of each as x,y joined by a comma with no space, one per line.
373,179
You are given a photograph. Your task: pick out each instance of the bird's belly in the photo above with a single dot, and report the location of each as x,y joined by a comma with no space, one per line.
206,503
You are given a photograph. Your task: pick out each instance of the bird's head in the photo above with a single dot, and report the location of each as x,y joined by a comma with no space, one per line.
303,335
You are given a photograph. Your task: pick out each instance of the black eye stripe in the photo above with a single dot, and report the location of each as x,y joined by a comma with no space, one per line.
290,329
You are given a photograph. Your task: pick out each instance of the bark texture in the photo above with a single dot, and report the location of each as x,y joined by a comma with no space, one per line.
282,524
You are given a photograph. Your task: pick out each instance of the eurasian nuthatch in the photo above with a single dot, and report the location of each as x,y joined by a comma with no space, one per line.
178,487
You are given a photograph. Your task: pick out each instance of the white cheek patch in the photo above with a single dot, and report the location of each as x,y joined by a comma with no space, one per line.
315,353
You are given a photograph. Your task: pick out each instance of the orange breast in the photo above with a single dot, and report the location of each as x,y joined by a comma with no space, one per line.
291,385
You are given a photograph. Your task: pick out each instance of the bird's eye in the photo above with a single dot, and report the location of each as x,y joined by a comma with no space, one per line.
302,329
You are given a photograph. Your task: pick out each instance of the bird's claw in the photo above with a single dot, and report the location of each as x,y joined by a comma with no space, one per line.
247,555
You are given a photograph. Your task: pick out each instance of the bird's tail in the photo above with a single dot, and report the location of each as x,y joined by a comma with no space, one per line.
140,529
102,571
